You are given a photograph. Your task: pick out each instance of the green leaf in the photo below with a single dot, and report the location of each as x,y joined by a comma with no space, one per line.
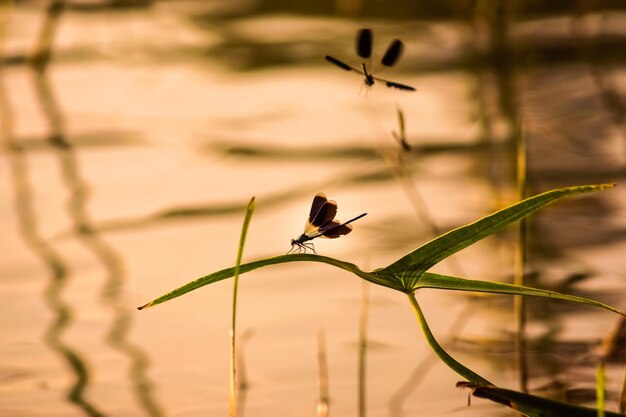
532,405
444,282
409,269
233,325
251,266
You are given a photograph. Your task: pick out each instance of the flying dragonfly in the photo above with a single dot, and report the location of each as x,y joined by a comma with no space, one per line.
321,223
364,50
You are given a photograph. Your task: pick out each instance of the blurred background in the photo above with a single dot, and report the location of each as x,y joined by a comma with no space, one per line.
134,132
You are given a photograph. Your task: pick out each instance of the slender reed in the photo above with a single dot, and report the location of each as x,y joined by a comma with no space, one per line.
622,397
520,257
362,395
233,374
601,387
322,361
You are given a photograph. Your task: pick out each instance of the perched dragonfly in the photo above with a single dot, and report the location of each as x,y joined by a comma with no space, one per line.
364,50
321,223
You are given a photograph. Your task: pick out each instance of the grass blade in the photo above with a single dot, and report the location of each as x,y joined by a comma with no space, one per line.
601,388
533,406
529,405
431,253
323,400
444,282
276,260
233,328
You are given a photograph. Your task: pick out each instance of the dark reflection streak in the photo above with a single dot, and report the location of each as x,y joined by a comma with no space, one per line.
28,228
424,147
412,383
43,48
79,193
243,384
221,209
607,88
504,64
422,369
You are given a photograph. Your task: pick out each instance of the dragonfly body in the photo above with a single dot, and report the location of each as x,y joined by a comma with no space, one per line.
321,223
369,78
364,50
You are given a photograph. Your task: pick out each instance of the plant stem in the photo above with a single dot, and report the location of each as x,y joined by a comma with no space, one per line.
520,259
233,374
322,361
622,396
363,348
452,363
600,387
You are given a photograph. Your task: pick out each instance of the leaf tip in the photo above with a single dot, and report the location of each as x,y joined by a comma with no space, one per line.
143,307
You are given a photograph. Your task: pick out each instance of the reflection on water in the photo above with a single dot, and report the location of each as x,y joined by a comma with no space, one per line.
77,211
164,76
24,209
110,260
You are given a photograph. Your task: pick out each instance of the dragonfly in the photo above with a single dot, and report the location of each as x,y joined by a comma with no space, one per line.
364,50
321,223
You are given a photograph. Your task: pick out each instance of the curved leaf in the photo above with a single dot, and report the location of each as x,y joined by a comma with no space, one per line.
444,282
532,405
251,266
431,253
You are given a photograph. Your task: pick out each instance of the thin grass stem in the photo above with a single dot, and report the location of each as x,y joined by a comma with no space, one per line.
622,397
520,258
322,361
601,387
233,328
362,394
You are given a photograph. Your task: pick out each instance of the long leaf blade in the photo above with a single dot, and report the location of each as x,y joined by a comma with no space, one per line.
233,325
429,254
276,260
445,282
532,405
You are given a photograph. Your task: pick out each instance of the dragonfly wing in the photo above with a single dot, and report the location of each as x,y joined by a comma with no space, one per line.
335,229
324,216
399,86
316,205
309,229
393,53
393,84
341,64
364,43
